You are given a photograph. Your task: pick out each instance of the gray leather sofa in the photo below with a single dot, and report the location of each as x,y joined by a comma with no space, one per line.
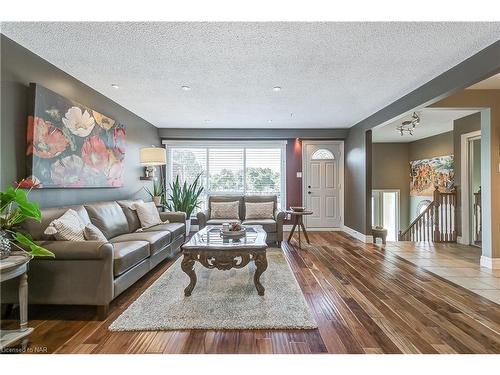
273,227
92,272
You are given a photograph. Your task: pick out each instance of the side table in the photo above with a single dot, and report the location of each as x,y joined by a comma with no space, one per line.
17,266
298,223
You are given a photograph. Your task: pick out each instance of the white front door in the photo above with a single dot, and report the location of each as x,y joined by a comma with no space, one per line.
323,184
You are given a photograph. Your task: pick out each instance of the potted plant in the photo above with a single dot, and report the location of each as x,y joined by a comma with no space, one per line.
15,208
185,198
158,192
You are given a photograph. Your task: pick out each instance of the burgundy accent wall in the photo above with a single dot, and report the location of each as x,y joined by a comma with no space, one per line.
293,165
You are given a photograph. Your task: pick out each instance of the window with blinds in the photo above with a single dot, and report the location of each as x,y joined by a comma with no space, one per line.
230,168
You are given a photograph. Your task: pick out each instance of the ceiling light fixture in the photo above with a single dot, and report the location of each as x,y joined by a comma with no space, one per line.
276,88
207,120
408,126
185,88
269,121
115,86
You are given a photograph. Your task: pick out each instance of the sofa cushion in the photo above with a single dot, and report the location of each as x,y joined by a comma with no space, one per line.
177,229
259,210
36,229
148,214
225,210
131,214
68,227
157,240
108,217
269,225
128,254
221,221
259,199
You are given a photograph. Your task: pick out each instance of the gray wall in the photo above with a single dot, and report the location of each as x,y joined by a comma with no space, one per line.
19,68
358,180
461,126
390,170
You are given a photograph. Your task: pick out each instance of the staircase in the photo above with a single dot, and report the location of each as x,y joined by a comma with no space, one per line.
437,223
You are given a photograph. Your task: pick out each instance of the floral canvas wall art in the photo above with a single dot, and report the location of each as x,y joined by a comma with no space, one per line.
71,145
425,174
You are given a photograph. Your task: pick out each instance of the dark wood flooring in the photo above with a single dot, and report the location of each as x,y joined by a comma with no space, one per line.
364,299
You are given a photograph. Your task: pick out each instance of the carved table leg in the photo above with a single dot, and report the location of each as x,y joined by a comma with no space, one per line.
261,264
187,266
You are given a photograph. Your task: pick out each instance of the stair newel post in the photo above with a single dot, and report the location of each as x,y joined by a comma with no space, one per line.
436,214
455,225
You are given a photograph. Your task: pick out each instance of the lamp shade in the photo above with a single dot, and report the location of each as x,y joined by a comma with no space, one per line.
153,156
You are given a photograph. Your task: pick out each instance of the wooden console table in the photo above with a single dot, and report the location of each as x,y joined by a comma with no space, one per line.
298,223
17,266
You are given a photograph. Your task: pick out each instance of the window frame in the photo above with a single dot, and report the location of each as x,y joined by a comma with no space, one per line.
230,144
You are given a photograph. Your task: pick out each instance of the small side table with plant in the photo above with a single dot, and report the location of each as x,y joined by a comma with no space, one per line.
16,251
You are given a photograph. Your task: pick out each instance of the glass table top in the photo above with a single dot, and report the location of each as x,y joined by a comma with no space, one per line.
211,237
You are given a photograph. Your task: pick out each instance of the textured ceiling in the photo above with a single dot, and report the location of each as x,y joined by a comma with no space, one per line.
332,74
433,121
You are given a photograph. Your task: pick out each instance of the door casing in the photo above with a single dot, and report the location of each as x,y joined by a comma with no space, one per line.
305,172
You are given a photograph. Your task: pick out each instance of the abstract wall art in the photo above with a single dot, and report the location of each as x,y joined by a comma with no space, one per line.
425,174
71,145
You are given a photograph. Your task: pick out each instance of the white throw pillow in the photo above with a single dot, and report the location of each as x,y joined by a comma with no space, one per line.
148,214
224,210
92,233
259,210
69,227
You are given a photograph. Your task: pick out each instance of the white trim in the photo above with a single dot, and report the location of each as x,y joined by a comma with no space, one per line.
464,184
288,228
357,235
207,144
398,208
228,143
341,175
492,263
460,240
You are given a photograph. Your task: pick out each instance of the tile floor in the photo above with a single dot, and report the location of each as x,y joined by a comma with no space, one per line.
456,263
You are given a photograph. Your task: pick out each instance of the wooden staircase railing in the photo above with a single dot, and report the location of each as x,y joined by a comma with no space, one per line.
437,223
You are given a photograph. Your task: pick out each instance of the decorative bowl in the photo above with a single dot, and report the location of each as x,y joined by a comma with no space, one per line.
233,233
297,209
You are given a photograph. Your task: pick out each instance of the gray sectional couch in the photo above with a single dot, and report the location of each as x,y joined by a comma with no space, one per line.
273,227
92,272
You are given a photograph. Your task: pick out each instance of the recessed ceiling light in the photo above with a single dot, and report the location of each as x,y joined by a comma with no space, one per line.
115,86
276,88
207,120
185,88
269,121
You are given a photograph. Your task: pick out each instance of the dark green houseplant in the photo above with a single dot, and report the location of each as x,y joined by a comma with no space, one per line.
15,208
185,198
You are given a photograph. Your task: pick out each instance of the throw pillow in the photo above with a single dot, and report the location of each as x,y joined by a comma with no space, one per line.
69,227
260,210
224,210
148,214
92,233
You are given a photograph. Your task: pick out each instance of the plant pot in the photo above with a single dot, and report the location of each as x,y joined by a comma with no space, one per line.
5,247
157,200
188,226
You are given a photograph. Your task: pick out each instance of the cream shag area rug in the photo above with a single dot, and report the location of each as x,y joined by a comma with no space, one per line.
220,300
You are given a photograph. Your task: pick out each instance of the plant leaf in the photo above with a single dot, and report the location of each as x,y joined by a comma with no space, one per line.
35,250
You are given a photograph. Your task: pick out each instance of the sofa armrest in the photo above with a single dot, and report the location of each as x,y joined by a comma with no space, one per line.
78,250
202,217
279,216
173,217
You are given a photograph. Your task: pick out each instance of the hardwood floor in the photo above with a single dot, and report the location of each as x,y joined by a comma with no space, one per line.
365,300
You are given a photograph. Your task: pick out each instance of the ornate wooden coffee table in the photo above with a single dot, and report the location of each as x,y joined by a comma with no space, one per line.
213,251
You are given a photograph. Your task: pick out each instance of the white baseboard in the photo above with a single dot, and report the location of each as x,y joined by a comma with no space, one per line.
460,240
288,228
492,263
357,235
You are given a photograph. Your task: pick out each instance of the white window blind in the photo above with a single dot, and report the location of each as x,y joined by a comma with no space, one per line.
226,168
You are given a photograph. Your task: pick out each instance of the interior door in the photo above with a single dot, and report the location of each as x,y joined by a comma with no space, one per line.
323,185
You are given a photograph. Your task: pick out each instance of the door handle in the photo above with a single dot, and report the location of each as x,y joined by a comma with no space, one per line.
309,186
